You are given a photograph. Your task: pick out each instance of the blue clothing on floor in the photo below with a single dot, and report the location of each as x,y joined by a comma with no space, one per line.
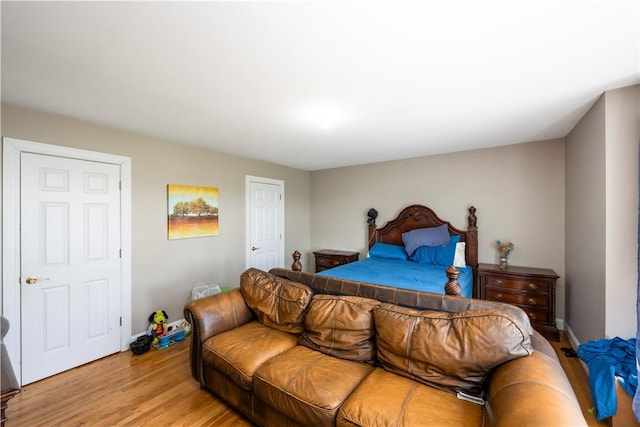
607,359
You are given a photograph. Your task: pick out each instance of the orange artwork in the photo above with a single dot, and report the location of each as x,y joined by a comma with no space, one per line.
192,211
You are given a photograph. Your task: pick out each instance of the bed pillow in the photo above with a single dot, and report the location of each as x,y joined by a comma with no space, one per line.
439,255
385,250
456,351
432,236
459,259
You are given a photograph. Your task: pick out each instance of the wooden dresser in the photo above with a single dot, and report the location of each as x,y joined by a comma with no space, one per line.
329,258
531,289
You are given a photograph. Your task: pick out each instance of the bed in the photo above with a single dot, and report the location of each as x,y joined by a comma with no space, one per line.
430,268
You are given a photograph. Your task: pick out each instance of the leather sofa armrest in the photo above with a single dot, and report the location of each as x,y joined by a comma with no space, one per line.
532,391
541,344
210,316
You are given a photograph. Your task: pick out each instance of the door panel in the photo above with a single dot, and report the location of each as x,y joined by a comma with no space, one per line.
266,224
70,240
55,317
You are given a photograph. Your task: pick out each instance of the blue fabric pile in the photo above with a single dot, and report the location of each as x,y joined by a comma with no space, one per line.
606,360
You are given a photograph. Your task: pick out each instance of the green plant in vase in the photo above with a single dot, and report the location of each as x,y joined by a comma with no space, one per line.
504,249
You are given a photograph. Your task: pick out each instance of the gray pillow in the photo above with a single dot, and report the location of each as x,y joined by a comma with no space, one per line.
432,236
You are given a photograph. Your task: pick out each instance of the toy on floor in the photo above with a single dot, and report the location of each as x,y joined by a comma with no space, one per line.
158,326
173,335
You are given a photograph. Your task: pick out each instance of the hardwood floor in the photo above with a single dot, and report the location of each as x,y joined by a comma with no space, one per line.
578,378
156,388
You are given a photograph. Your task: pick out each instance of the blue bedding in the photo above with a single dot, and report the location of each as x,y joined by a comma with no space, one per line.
401,274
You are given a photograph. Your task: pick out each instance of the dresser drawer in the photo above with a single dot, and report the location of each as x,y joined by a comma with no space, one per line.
330,262
535,306
531,289
329,258
530,285
528,300
537,316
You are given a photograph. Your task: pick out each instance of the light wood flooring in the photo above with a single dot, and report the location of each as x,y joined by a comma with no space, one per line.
577,375
156,389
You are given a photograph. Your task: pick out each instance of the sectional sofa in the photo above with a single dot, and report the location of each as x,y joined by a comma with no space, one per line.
293,349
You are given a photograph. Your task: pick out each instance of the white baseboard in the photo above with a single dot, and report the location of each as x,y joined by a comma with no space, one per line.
571,336
574,343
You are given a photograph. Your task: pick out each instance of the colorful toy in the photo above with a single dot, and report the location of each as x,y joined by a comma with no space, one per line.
158,326
173,335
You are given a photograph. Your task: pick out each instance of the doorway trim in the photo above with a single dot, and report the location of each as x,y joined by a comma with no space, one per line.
11,303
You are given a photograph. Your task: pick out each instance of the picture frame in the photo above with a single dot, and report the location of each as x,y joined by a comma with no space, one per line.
192,211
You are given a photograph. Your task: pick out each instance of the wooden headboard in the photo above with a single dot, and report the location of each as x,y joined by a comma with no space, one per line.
418,216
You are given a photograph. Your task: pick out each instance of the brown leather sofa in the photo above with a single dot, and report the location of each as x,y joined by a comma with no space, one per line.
291,348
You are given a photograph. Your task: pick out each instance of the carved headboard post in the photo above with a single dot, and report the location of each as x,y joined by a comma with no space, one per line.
371,220
472,247
373,238
472,237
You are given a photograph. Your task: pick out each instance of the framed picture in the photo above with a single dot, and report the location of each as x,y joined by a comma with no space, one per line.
192,211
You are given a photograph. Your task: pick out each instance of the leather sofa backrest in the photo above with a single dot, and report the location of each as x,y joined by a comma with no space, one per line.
452,351
276,302
398,296
341,326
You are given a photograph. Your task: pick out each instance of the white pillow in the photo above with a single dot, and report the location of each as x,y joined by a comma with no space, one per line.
458,257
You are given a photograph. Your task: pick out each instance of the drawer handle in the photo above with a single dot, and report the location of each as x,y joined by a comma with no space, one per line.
532,301
498,282
498,297
532,315
533,286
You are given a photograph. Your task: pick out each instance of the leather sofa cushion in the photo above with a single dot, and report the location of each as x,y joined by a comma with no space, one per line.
238,353
454,351
307,385
386,399
277,302
341,326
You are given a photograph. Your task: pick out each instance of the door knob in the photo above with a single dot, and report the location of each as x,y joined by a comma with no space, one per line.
253,248
31,280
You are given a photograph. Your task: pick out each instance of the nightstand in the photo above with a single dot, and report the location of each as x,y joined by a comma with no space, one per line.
531,289
329,258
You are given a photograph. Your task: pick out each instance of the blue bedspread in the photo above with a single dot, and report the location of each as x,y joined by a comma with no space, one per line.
401,274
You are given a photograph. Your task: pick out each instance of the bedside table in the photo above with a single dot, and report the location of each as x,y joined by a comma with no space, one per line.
329,258
531,289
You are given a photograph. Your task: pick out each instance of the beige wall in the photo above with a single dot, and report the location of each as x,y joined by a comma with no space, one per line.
602,218
164,271
622,118
518,191
585,228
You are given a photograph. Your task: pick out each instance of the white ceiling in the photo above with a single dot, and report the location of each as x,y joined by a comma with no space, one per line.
316,85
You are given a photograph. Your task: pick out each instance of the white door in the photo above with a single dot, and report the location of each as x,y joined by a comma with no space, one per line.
71,290
265,208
